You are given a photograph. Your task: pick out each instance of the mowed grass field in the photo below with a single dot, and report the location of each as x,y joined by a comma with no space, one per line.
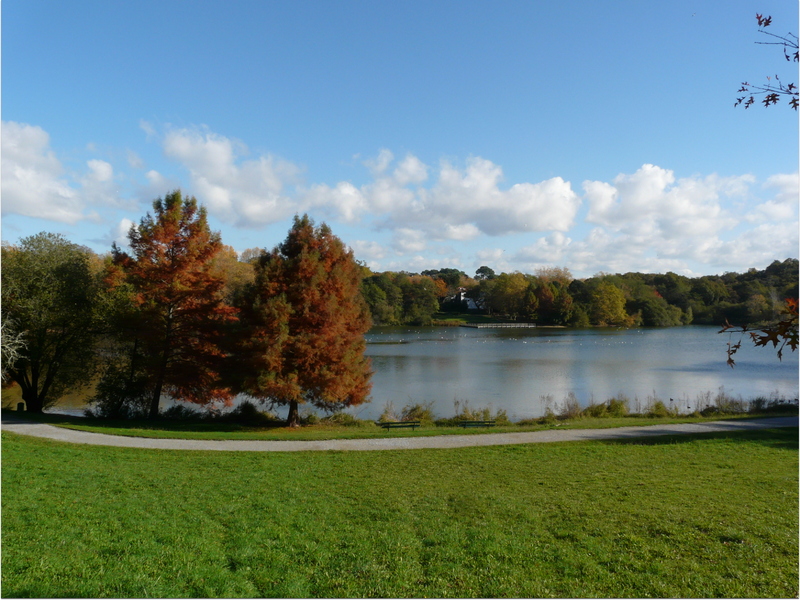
713,515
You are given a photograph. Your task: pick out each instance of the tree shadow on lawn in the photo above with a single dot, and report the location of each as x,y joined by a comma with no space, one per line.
783,438
159,424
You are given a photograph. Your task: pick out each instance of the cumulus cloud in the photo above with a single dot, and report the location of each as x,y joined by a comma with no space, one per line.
33,180
408,241
368,251
651,219
460,205
98,185
783,206
246,192
548,250
119,234
652,202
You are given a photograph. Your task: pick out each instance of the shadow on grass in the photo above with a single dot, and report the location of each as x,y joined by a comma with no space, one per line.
159,424
784,438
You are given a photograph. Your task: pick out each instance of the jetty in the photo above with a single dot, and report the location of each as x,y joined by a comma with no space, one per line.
499,325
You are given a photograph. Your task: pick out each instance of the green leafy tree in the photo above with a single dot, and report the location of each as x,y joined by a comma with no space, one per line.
305,324
384,298
506,294
50,294
484,272
180,310
608,305
420,301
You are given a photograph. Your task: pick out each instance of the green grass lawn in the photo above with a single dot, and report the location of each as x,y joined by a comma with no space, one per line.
712,515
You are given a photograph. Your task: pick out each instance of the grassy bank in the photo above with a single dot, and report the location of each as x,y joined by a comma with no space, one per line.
355,429
708,516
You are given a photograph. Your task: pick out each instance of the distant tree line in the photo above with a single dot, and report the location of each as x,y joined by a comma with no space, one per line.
551,296
181,315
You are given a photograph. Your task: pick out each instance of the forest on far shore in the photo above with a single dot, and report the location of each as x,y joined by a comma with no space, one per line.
551,296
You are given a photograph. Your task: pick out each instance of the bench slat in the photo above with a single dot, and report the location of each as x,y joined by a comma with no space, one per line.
398,424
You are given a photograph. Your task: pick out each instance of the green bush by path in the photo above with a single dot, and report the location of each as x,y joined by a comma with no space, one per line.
683,516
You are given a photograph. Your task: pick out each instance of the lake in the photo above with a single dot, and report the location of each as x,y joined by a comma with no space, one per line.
513,369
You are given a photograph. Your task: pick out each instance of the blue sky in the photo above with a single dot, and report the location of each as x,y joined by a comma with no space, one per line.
600,136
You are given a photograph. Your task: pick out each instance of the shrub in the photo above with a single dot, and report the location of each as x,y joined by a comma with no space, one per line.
418,412
465,413
388,414
618,407
596,411
758,405
658,410
570,407
181,412
728,404
119,395
774,404
547,402
501,418
549,418
308,416
248,414
703,401
342,419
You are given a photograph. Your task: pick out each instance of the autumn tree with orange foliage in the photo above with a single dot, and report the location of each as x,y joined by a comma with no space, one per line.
304,324
178,299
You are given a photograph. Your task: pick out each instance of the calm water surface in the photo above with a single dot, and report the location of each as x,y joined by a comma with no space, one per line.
513,369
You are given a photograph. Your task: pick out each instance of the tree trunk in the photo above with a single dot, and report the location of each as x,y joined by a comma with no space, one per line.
33,403
293,420
154,401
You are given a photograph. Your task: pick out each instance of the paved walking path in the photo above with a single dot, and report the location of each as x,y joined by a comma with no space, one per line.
399,442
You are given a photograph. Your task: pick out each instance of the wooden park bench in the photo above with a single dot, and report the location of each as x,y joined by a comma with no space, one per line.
398,424
466,424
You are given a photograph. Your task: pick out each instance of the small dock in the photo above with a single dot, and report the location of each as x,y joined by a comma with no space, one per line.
499,325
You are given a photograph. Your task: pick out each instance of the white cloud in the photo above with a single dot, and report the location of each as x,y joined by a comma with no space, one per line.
408,241
344,201
783,206
379,164
119,234
410,170
651,220
246,192
651,202
461,205
548,250
368,251
33,182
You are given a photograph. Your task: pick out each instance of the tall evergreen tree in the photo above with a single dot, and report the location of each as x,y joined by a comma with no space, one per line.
180,303
306,319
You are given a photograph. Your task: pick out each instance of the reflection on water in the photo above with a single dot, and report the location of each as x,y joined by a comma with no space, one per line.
516,369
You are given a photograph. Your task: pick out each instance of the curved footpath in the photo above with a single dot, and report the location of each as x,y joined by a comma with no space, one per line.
21,426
